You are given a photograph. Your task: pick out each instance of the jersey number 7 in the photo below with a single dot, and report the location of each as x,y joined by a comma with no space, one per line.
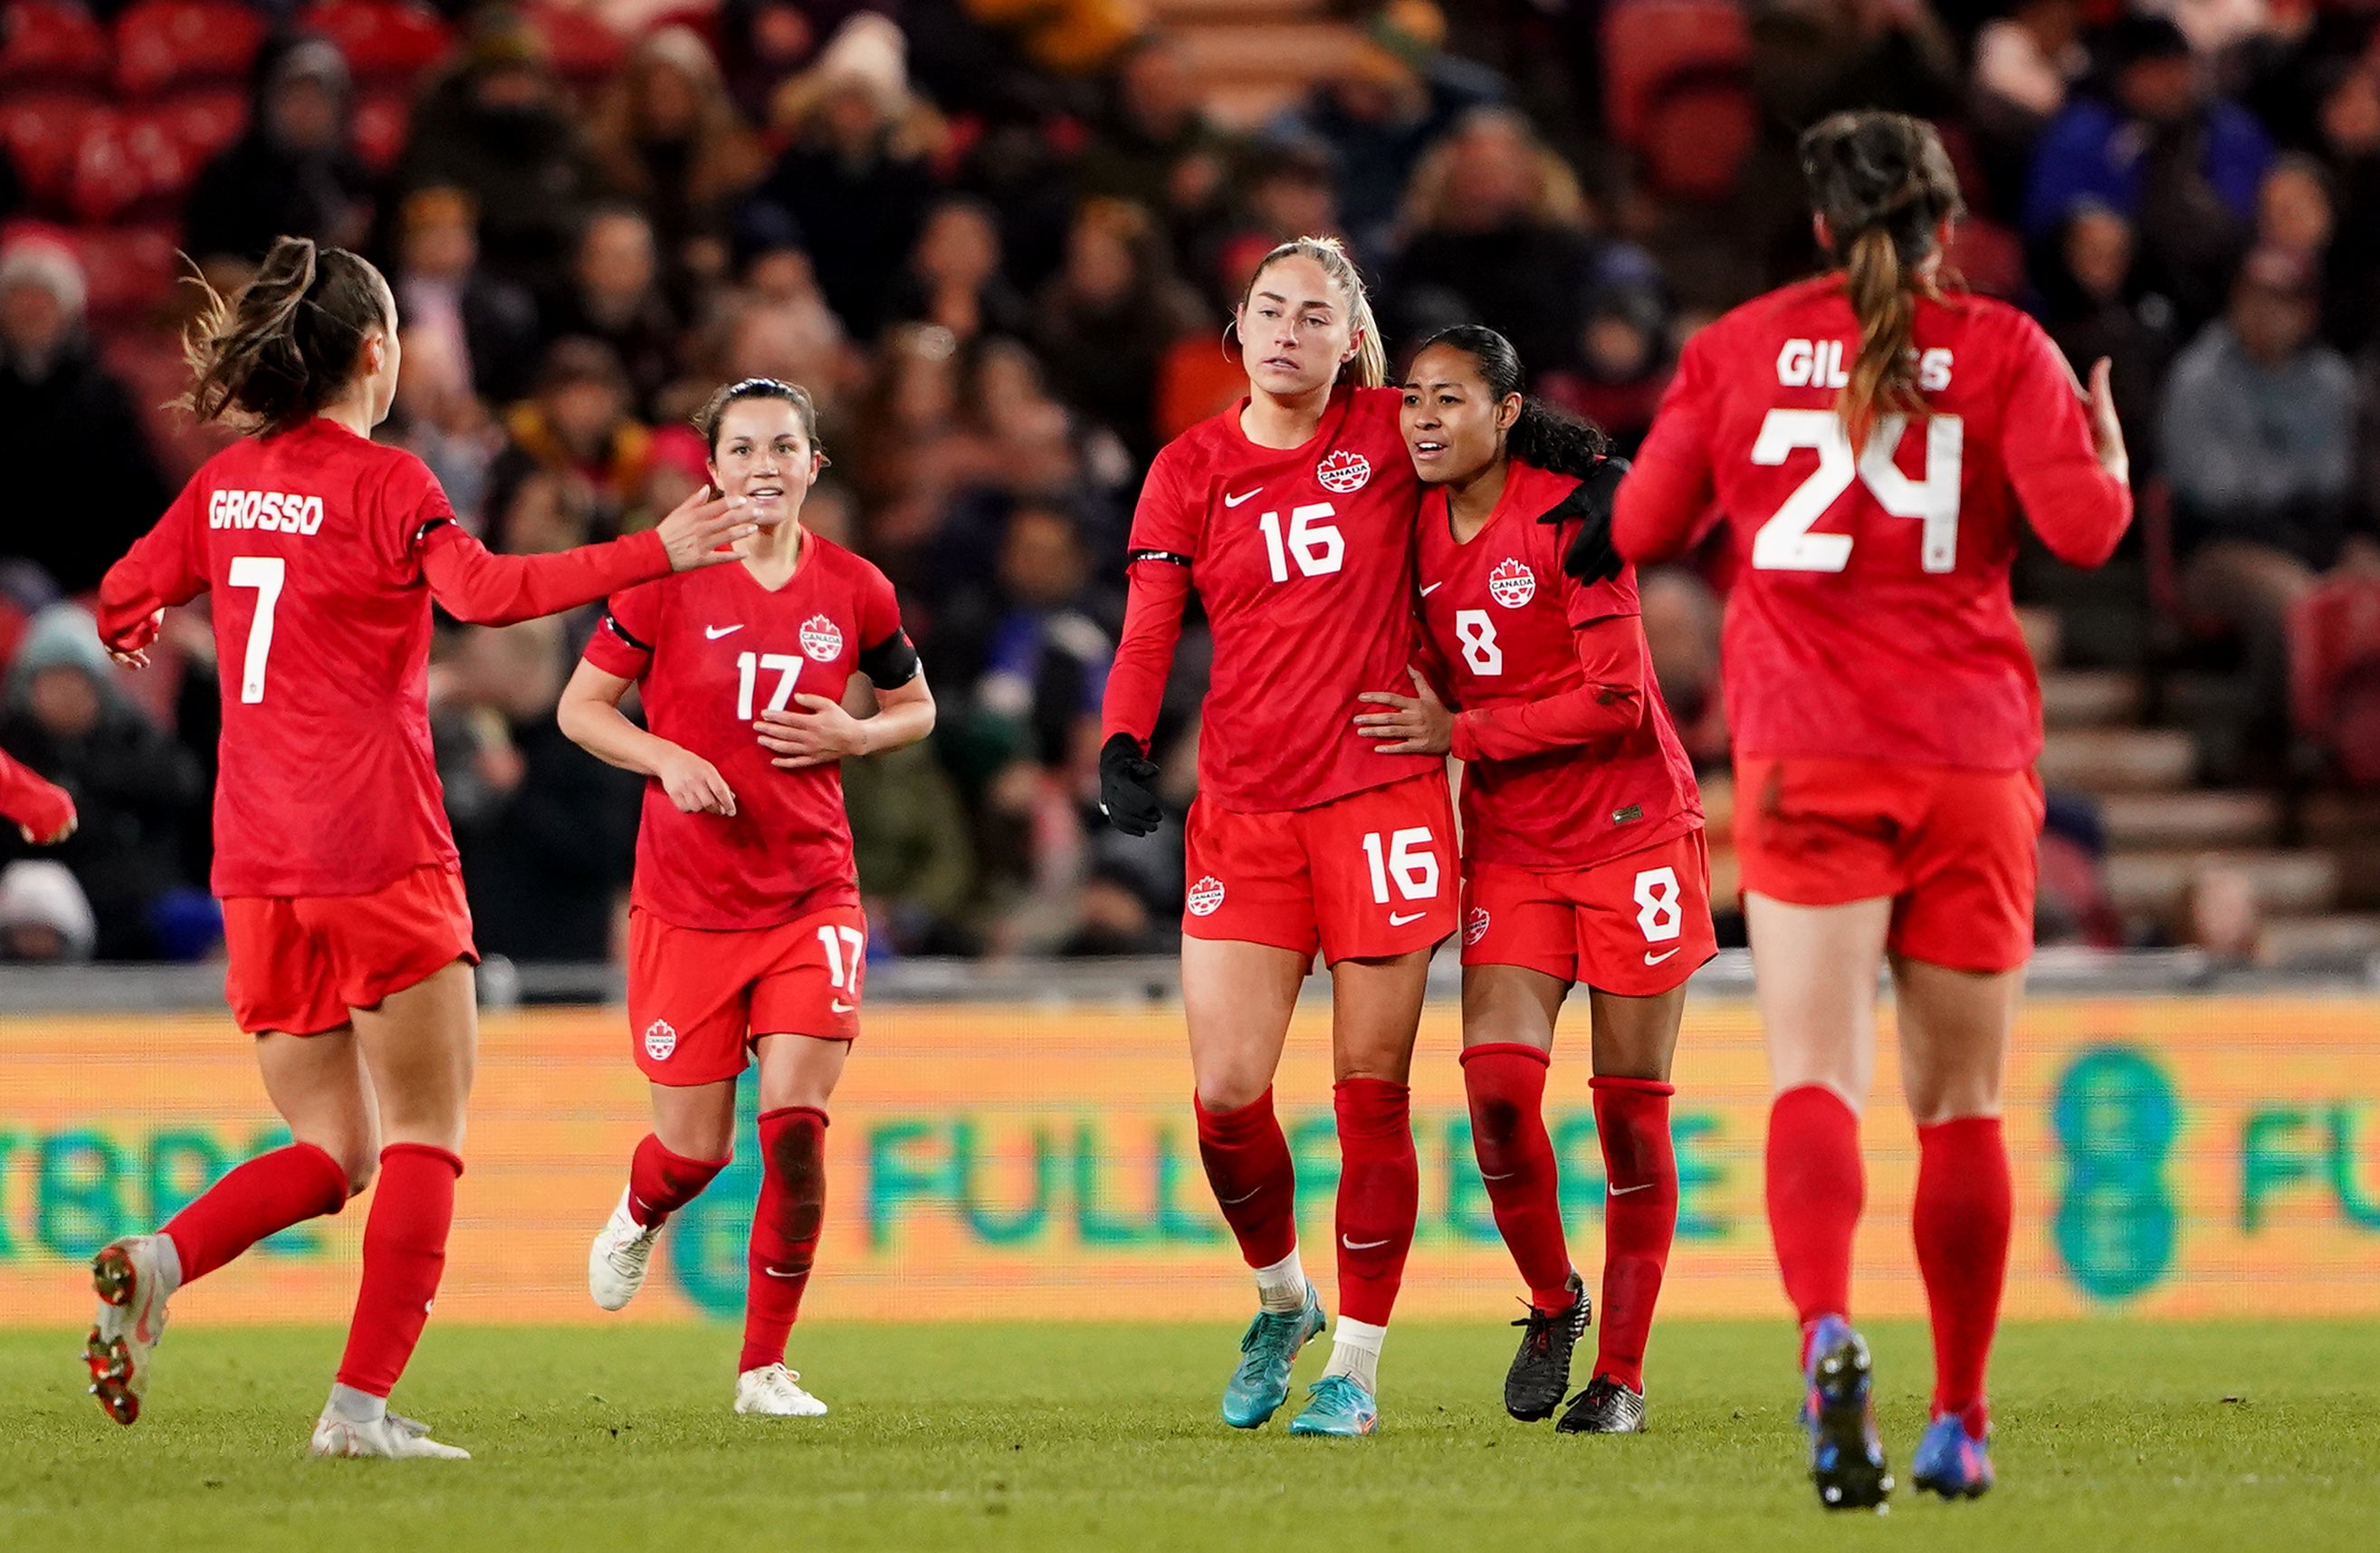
1785,541
265,574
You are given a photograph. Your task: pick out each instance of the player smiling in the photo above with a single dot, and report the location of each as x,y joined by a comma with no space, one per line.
1582,853
1292,515
744,927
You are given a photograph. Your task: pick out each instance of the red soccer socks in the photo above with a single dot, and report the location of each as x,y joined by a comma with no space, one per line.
1506,1082
261,1197
1964,1202
1248,1166
405,1253
660,1182
1632,1119
785,1229
1817,1187
1379,1195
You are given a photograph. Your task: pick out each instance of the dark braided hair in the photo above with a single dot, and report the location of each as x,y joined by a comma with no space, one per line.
289,343
1553,440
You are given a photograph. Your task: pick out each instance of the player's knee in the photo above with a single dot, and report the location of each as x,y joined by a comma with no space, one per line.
1495,1122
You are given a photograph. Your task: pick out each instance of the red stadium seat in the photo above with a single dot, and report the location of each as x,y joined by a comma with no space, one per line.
1988,258
130,270
1699,123
385,41
45,131
52,43
129,162
2335,674
584,47
1648,41
381,122
161,43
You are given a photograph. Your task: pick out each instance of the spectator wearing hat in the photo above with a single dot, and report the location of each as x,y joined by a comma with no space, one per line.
43,916
294,173
2155,144
133,787
580,424
63,418
499,128
615,296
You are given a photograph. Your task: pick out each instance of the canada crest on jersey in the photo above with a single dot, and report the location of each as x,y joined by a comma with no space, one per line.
1512,584
821,638
1345,473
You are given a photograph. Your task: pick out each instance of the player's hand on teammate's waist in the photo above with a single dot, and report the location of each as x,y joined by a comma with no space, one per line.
1419,725
820,733
694,784
700,531
1128,787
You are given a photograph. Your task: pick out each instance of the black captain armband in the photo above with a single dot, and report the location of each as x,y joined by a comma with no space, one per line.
1169,556
428,529
612,624
892,663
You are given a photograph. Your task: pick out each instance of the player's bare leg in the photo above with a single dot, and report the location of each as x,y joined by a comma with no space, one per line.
1635,1039
797,1078
1954,1036
322,1089
1237,999
1375,1013
1815,974
1508,1037
422,1048
692,1141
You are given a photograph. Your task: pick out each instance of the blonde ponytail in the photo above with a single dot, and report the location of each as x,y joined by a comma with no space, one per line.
1884,374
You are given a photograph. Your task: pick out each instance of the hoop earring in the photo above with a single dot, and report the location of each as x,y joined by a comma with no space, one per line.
1229,330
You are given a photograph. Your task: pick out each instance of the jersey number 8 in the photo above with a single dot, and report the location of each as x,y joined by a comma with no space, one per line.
1477,634
1785,541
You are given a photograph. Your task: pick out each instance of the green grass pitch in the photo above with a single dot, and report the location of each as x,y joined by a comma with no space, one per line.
948,1437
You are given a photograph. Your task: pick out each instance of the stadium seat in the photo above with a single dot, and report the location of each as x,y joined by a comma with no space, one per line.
44,132
1988,258
380,122
52,43
585,49
128,162
128,269
162,43
2335,674
1698,123
385,41
1644,42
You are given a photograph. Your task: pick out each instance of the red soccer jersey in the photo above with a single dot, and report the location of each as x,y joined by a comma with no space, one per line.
1572,758
1870,616
324,551
714,648
1303,559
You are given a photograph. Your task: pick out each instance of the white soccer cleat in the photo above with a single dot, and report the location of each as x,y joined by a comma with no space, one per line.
620,1257
131,1318
389,1437
772,1392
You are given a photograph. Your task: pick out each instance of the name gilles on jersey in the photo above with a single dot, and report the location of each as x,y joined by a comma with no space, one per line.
274,511
1819,364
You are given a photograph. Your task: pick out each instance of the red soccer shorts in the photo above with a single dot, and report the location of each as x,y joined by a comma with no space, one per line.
1956,851
1368,877
698,998
298,963
1637,925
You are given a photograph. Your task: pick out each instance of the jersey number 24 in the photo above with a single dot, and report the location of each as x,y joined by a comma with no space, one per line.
1785,541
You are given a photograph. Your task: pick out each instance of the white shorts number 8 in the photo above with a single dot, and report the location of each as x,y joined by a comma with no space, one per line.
1658,912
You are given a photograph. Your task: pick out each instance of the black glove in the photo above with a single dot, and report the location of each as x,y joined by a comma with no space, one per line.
1126,797
1591,558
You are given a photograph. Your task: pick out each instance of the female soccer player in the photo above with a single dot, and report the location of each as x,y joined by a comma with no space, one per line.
349,940
745,928
1582,853
1868,436
1291,513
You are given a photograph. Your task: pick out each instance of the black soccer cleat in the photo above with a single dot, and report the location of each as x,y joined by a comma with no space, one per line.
1540,1372
1838,1413
1606,1406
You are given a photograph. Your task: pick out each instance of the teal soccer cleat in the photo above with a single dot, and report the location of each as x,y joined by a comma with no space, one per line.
1260,1384
1337,1405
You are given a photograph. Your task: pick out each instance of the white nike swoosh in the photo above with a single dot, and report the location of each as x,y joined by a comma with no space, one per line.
774,1272
1506,1175
1396,920
1234,1201
1363,1245
1432,589
1245,496
1624,1191
715,632
1652,959
840,1007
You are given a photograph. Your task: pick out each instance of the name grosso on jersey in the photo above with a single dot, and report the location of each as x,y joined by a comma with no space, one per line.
275,511
1821,364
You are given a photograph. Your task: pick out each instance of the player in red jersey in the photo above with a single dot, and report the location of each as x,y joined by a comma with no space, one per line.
1582,853
745,930
1292,515
1868,439
349,940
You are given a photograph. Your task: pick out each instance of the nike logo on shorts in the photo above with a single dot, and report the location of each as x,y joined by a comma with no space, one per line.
838,1005
1652,959
715,632
1363,1245
1624,1191
1400,919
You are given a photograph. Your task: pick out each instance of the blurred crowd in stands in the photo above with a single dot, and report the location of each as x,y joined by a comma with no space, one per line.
998,242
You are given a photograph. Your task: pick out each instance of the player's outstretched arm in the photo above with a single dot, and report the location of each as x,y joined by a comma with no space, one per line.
42,811
161,569
589,716
484,589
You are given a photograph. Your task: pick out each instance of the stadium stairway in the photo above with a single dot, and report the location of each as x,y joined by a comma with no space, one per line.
1257,56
